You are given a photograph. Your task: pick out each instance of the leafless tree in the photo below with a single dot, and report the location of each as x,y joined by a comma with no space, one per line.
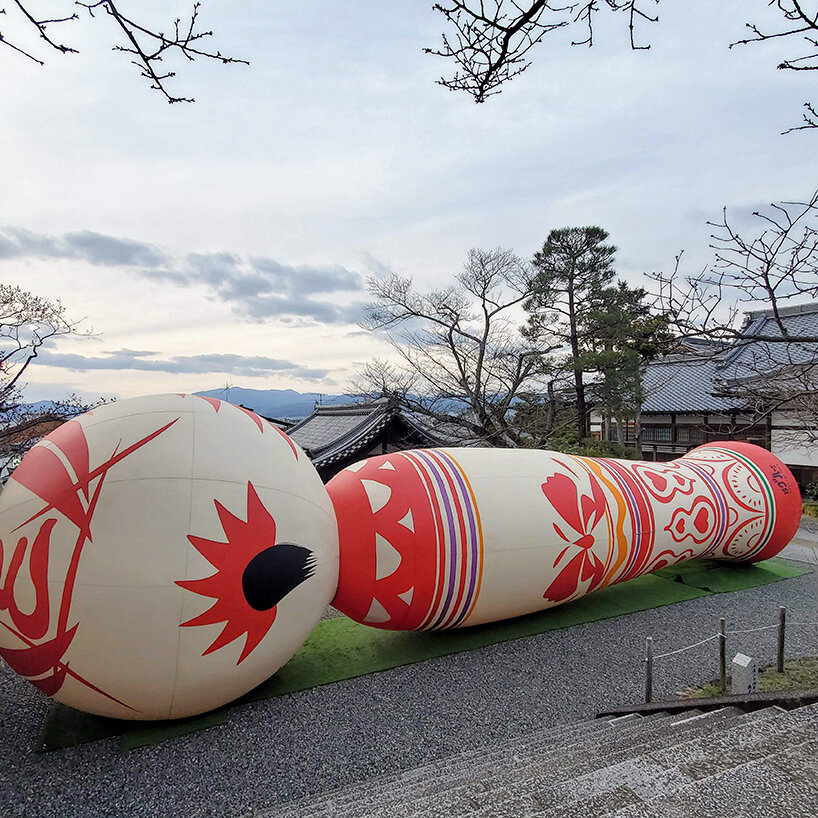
147,46
489,40
755,302
461,359
27,322
775,267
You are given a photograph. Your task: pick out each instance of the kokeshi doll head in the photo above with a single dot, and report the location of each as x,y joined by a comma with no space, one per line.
447,538
161,556
762,501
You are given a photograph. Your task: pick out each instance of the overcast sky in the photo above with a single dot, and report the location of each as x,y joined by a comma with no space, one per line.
229,240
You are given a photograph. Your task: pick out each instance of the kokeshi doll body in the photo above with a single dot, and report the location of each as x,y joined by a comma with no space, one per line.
447,538
161,556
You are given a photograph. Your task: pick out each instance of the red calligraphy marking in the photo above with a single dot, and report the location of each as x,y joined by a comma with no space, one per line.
43,473
35,624
46,656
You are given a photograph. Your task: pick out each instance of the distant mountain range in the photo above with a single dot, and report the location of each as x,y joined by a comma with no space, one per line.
276,403
41,406
271,403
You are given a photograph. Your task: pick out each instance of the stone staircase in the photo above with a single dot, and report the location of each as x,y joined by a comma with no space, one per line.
724,763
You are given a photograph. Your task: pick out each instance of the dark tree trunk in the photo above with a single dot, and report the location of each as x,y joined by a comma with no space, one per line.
579,385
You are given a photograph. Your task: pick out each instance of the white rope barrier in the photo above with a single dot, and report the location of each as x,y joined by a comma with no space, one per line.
722,635
733,633
756,630
689,647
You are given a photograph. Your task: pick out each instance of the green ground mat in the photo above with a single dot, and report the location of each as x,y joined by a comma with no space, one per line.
340,649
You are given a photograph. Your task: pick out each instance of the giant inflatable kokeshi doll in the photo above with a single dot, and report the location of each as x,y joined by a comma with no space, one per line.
453,537
162,556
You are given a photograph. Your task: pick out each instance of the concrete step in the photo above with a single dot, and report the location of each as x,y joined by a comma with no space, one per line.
644,780
785,737
469,762
528,783
456,779
721,760
651,782
600,804
630,767
801,761
638,776
757,789
727,742
388,793
553,783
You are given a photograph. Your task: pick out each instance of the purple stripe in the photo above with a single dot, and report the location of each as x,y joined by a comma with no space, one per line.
475,549
453,536
411,456
466,507
763,483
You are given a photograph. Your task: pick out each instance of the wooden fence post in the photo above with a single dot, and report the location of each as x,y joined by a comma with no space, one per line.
649,670
723,655
782,627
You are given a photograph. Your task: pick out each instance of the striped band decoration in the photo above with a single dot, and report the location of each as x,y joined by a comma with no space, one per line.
640,514
459,538
769,515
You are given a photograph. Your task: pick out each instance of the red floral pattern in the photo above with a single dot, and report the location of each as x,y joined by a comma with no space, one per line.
580,512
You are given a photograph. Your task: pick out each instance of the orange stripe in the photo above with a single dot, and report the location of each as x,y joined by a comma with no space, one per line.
622,516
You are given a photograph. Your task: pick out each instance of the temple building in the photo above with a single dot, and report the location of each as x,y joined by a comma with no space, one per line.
336,436
705,391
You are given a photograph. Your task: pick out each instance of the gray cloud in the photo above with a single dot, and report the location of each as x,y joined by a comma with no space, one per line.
298,309
307,279
256,288
143,360
108,251
375,266
261,287
86,245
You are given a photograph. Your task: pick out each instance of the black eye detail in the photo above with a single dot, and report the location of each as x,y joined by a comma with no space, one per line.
274,572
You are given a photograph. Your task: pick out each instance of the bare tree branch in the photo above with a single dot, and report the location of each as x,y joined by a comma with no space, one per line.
799,23
27,323
490,39
768,356
776,267
146,45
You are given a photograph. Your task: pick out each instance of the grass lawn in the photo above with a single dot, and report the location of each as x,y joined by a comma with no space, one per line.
799,674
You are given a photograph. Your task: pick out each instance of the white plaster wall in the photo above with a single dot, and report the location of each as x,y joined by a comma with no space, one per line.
791,445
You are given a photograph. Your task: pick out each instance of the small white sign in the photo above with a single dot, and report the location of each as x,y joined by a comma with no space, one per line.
744,675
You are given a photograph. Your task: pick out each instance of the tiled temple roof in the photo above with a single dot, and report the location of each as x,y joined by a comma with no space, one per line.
335,433
699,379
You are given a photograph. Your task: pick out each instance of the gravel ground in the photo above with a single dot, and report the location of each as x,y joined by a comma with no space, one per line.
305,743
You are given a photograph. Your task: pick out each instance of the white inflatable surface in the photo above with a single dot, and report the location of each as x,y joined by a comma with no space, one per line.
162,556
